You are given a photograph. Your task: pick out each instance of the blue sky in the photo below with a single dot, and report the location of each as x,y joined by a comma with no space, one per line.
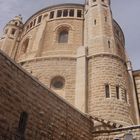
125,12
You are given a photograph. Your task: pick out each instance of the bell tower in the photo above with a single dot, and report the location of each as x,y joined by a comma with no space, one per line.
11,36
98,26
108,79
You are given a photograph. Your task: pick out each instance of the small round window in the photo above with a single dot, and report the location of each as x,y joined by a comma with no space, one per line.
57,82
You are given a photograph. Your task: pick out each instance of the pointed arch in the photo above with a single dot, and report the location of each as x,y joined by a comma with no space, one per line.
59,27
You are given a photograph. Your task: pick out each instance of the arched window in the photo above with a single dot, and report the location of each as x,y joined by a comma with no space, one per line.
39,19
63,36
117,92
125,95
57,82
107,91
25,45
13,31
71,13
65,13
109,44
16,23
22,123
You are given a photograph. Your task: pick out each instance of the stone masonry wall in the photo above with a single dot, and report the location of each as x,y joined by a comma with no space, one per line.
43,37
106,69
49,116
46,69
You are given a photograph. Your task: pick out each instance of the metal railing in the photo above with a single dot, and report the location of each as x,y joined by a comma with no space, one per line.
127,133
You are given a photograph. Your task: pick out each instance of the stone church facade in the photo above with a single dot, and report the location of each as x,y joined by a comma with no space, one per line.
78,52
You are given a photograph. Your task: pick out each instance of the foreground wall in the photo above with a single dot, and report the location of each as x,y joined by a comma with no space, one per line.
49,117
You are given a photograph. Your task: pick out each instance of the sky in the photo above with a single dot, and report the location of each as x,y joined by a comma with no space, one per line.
125,12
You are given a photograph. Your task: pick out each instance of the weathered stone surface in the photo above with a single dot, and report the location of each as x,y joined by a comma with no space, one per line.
92,57
49,115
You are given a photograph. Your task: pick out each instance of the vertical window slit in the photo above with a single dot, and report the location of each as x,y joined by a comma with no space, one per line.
125,95
39,19
117,92
65,13
51,14
107,91
105,19
109,44
95,22
71,13
59,13
79,13
34,22
22,123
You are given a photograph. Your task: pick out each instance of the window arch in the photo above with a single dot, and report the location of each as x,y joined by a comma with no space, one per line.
16,23
118,92
107,90
13,31
25,45
63,36
57,82
22,123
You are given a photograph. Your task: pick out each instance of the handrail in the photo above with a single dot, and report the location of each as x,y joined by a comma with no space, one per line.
118,129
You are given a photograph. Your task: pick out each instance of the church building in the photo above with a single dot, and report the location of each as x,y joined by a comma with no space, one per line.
75,53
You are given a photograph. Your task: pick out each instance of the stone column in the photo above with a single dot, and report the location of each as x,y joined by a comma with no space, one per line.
130,70
81,80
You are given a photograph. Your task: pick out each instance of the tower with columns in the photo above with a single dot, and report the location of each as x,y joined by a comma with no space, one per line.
11,36
110,94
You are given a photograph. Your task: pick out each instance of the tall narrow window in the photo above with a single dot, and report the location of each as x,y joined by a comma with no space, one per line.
71,13
117,92
51,14
95,22
59,13
125,95
63,36
25,46
13,31
39,19
31,24
22,123
65,13
79,13
107,91
108,43
34,22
